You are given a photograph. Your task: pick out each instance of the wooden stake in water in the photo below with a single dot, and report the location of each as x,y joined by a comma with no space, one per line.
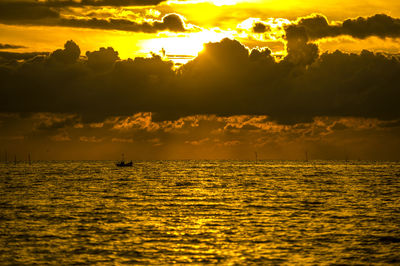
29,158
255,153
15,159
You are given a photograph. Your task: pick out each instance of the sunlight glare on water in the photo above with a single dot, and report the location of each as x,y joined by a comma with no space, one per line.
217,212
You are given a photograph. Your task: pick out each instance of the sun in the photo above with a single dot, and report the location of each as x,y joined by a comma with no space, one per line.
224,2
214,2
182,48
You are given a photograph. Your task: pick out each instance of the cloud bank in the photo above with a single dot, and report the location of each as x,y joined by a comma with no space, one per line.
81,3
170,22
10,46
49,14
225,79
317,26
68,3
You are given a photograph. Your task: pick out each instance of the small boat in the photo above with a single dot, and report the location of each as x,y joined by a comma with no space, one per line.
124,164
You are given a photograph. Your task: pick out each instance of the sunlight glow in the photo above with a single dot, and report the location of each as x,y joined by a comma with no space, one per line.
181,49
214,2
248,23
275,33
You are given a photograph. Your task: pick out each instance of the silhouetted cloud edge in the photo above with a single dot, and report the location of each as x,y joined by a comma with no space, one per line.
225,79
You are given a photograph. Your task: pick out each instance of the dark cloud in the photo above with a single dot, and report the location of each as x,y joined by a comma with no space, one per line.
317,26
300,52
82,3
102,59
12,57
103,2
68,55
261,55
170,22
49,13
224,79
260,27
28,13
10,46
49,123
379,25
12,11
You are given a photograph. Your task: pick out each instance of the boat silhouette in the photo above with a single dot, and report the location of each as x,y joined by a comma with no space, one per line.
122,163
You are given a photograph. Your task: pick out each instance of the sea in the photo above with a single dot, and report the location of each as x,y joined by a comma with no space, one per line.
200,212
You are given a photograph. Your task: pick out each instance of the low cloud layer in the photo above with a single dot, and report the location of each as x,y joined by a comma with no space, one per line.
10,46
317,27
170,22
11,57
81,3
63,136
225,79
379,25
68,3
46,14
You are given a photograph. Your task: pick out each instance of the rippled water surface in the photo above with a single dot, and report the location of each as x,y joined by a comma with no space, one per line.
216,212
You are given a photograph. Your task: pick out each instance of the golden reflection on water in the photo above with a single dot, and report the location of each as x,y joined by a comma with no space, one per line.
218,212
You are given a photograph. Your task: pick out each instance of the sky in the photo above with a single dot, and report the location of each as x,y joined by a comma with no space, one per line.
199,79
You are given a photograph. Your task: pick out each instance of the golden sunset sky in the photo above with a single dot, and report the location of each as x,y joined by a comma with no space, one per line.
199,79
